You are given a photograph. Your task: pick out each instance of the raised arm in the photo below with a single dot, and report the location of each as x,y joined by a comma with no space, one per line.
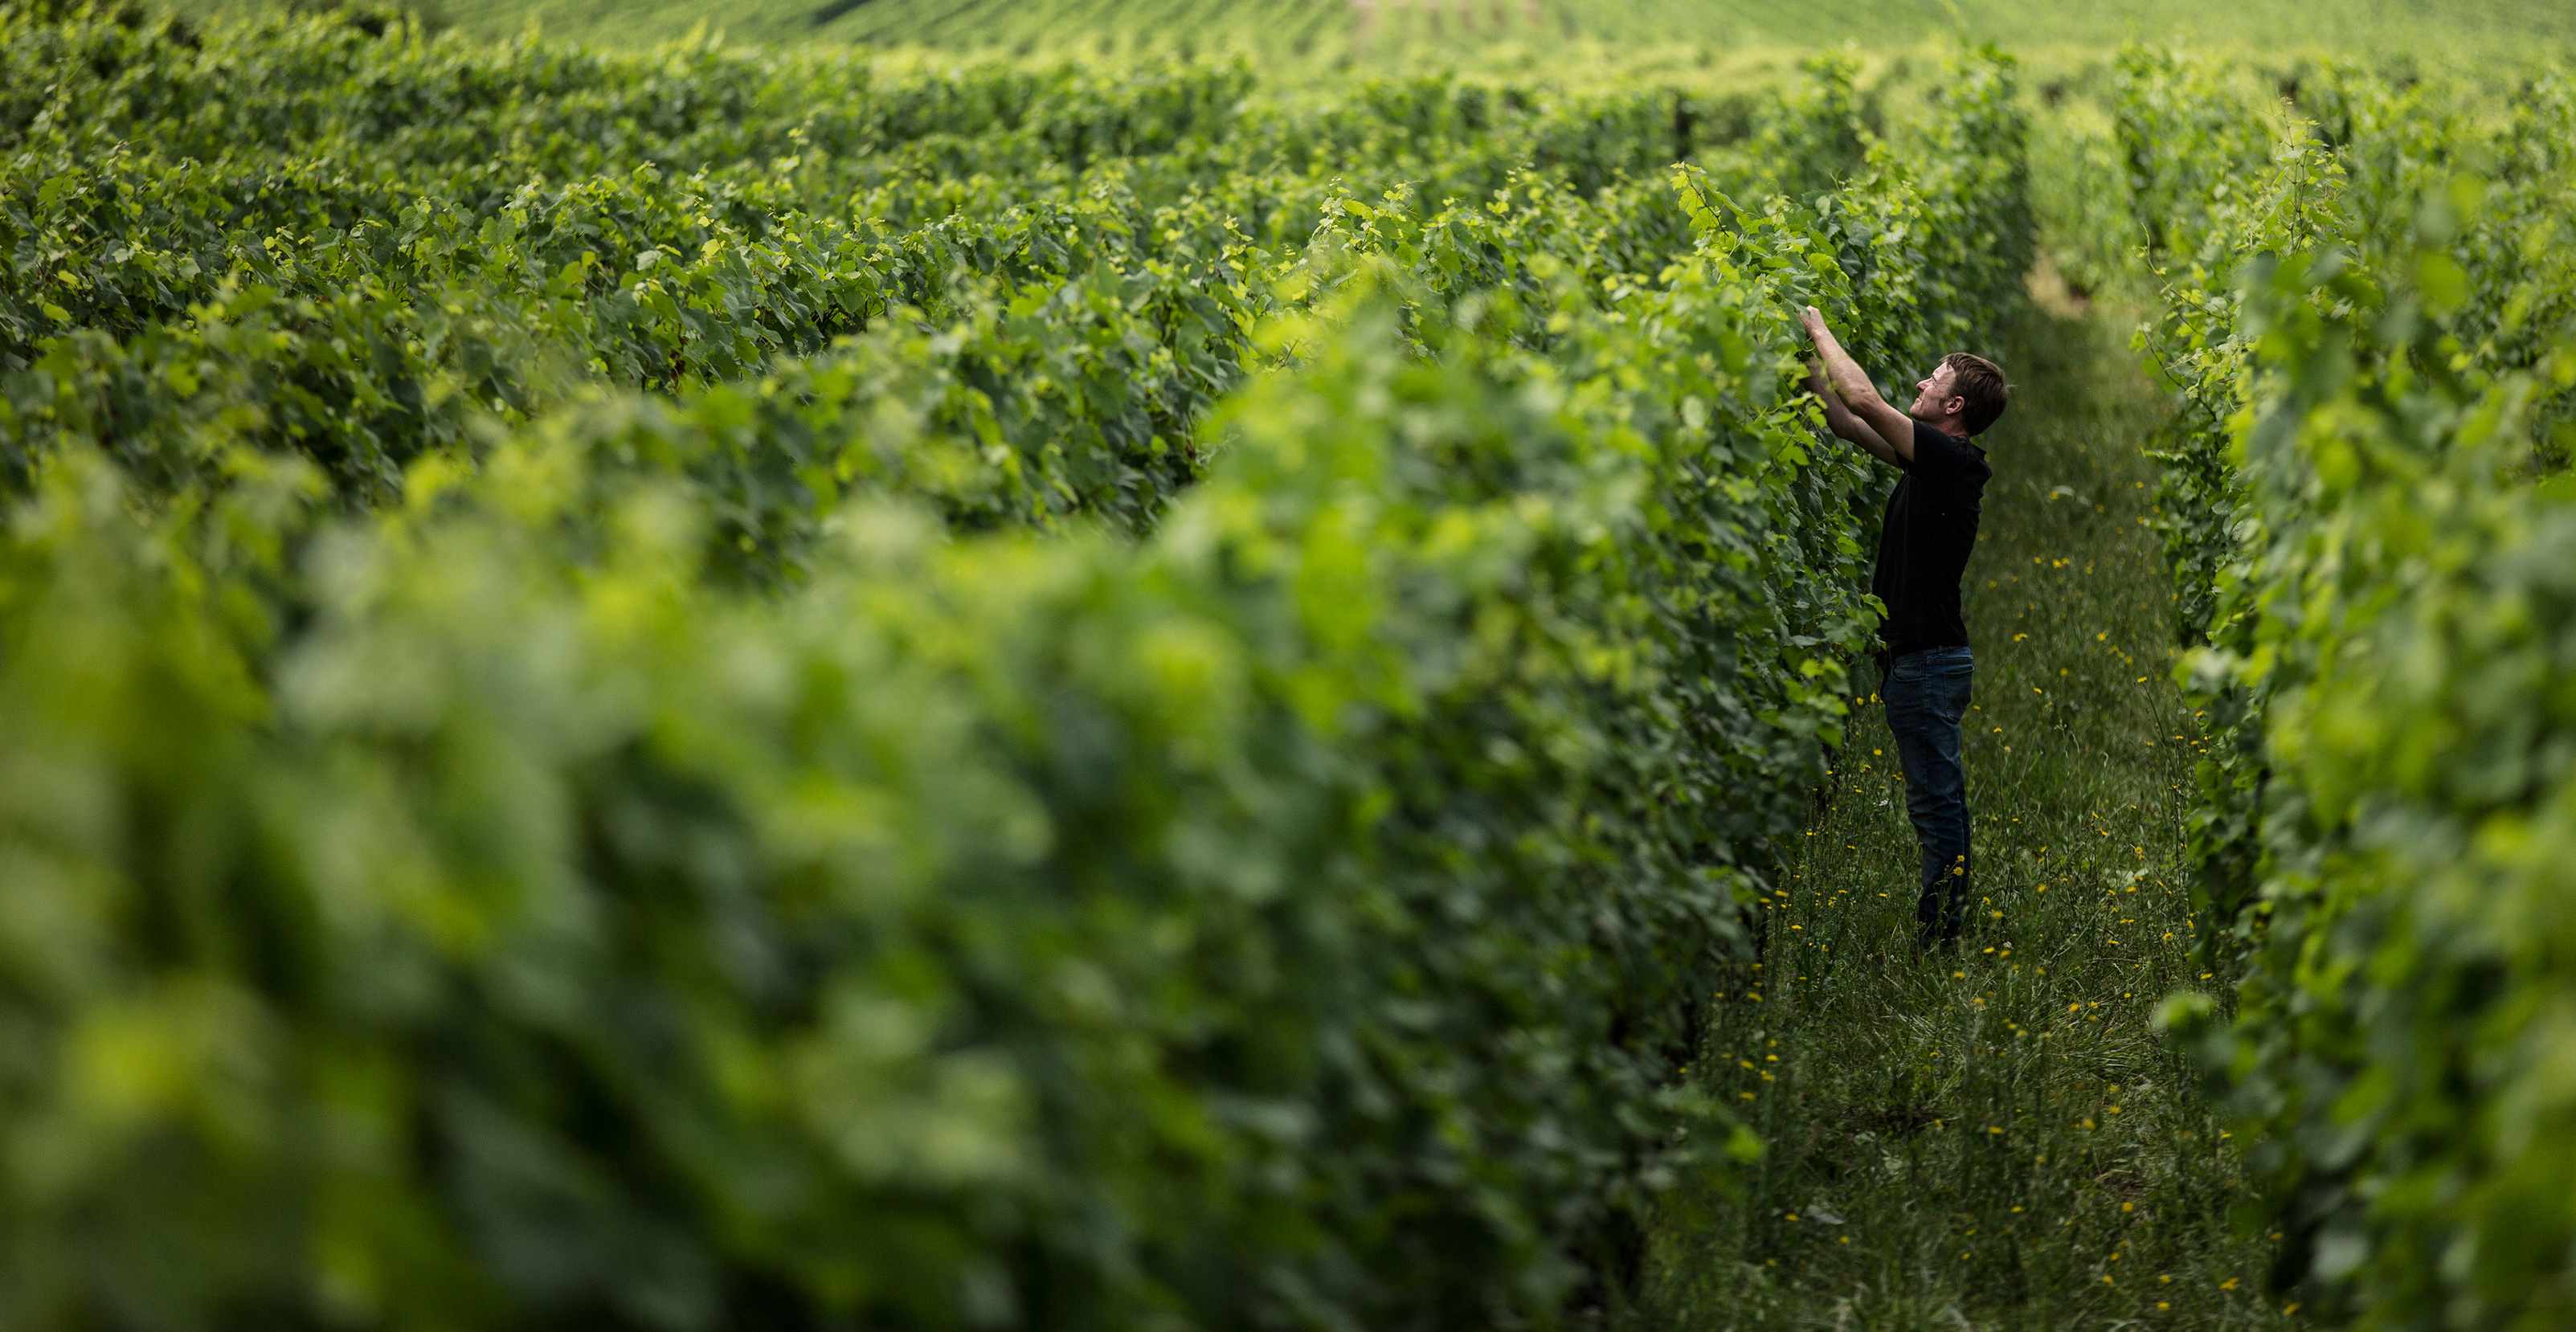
1852,386
1840,420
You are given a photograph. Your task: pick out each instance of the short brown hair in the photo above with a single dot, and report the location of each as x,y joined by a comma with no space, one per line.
1981,382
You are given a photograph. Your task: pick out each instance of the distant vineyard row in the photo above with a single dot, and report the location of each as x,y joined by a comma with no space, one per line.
1605,40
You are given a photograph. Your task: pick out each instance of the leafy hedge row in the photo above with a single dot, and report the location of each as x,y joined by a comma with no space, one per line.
313,283
1075,362
2377,354
832,115
486,910
772,134
367,308
422,102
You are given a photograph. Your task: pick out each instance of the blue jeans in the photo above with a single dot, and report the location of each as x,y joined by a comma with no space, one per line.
1927,694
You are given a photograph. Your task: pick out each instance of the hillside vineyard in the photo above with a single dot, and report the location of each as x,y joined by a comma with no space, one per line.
724,688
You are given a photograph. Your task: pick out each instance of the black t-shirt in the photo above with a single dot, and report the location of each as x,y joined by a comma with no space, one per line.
1923,545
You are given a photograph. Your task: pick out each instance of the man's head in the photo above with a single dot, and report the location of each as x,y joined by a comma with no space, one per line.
1963,395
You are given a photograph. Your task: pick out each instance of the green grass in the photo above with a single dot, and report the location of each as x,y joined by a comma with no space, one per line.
2000,1140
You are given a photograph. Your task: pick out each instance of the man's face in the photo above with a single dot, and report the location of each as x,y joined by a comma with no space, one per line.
1931,392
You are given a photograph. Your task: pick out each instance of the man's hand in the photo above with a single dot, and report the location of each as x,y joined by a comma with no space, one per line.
1839,418
1852,392
1842,378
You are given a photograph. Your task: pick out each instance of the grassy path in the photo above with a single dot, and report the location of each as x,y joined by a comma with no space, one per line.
2000,1140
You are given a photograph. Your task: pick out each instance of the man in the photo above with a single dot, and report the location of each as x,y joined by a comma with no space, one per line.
1924,664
